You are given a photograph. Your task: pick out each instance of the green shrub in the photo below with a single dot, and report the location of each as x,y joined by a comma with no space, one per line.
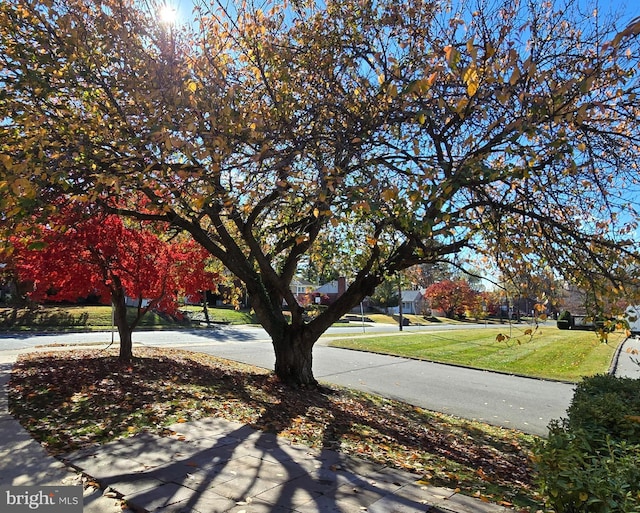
590,462
575,479
607,405
565,321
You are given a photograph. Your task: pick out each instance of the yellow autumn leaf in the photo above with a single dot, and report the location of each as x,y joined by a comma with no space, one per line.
424,84
198,202
452,55
6,161
470,47
471,79
392,90
472,88
388,194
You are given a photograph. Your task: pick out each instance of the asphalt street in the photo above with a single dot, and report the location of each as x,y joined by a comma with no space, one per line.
510,401
217,333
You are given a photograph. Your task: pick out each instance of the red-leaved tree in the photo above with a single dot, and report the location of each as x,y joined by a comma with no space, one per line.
452,297
72,257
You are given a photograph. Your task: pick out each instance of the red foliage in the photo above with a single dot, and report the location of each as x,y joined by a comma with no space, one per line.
452,297
75,257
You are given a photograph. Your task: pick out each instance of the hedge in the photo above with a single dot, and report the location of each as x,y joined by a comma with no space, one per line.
590,462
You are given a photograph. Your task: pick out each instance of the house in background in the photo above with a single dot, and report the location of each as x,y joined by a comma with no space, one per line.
301,288
413,303
573,299
329,292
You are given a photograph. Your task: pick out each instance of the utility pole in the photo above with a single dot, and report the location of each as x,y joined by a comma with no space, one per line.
400,303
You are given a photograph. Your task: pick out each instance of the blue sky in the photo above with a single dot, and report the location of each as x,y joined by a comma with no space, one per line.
631,9
627,9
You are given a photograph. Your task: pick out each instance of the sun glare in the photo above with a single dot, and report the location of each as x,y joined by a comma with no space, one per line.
168,14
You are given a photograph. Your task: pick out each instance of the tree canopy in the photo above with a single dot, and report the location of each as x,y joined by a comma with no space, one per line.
395,134
72,257
454,298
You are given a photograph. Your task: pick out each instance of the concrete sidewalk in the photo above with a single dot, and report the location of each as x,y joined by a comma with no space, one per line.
213,465
24,462
216,466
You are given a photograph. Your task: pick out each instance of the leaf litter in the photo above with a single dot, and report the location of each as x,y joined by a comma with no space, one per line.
72,399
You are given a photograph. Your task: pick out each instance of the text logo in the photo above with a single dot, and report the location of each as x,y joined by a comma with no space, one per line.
47,499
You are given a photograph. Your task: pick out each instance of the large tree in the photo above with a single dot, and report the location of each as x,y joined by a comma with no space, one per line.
72,257
454,298
400,133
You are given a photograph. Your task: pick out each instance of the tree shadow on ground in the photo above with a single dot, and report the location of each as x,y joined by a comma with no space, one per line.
399,427
215,467
79,398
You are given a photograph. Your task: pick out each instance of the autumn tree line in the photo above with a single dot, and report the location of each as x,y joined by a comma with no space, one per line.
459,298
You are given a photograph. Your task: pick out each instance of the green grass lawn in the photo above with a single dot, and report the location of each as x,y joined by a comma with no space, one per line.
99,317
547,353
414,320
55,317
218,314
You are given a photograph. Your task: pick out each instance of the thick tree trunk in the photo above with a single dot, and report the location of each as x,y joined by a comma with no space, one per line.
294,359
120,320
293,342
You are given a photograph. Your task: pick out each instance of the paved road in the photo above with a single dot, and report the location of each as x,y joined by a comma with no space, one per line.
521,403
628,362
219,333
510,401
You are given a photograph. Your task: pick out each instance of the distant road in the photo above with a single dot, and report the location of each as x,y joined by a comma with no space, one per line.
510,401
215,334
